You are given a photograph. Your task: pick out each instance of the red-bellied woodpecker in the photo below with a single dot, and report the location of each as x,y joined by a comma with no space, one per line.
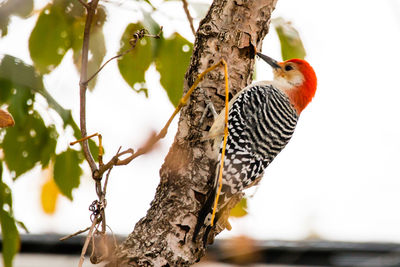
262,118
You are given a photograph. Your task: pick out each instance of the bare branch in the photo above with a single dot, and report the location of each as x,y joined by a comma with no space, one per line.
108,61
189,17
106,181
98,172
83,139
74,234
91,9
88,238
111,163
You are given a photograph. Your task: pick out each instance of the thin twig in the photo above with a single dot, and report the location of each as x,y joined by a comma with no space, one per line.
102,66
133,45
83,139
74,234
106,182
111,163
189,17
91,9
88,238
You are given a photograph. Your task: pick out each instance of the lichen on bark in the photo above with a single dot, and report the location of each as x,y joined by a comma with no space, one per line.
232,30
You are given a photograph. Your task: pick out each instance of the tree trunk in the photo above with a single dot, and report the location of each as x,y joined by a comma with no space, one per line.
232,30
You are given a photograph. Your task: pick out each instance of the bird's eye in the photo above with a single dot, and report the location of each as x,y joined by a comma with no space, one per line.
288,67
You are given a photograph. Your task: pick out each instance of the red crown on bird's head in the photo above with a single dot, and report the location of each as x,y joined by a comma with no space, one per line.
306,91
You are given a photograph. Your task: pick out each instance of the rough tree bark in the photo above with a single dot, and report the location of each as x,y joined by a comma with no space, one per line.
232,30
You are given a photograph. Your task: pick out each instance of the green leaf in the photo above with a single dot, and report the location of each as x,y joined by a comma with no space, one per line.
133,65
172,61
19,75
22,225
30,139
67,171
21,8
9,230
5,90
240,209
5,191
291,44
28,143
50,38
14,73
20,105
10,237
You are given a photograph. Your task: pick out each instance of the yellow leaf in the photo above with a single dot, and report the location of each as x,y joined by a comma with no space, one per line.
240,209
49,196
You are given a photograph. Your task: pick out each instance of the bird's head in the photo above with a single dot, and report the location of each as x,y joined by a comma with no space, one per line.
296,78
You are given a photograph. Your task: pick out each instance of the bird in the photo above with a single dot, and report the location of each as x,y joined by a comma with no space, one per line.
261,120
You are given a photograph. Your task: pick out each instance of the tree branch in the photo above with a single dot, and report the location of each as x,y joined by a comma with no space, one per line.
91,9
189,17
86,244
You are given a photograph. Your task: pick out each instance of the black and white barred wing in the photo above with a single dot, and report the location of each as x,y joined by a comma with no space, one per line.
261,123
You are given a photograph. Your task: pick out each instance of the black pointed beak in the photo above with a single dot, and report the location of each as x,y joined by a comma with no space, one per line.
272,62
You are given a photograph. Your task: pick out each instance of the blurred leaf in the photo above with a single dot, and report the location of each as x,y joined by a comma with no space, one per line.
20,78
6,120
291,44
77,27
22,225
9,230
30,139
67,171
10,237
133,65
49,196
19,75
5,191
20,104
240,209
14,73
21,8
5,90
28,143
50,38
172,61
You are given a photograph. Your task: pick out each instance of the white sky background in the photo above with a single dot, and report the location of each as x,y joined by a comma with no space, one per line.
339,177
